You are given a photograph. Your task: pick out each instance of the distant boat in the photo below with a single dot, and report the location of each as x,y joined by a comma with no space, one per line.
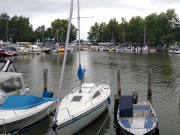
22,50
61,49
176,50
5,52
46,50
34,49
136,118
13,49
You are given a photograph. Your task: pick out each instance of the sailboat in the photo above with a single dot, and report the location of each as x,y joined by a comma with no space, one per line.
84,104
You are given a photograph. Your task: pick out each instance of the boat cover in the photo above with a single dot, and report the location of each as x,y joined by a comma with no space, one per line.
19,102
126,106
80,72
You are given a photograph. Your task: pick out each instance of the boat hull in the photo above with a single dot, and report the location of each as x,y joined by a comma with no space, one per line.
125,132
82,120
22,123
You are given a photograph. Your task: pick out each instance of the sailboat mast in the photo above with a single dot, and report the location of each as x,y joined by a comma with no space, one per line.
79,30
144,36
64,60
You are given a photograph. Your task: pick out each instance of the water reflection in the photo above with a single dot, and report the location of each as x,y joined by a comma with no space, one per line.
102,67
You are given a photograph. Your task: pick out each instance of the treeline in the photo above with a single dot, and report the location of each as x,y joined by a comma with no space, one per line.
158,29
18,28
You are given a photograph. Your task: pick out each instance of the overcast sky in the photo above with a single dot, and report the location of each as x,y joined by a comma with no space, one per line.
43,12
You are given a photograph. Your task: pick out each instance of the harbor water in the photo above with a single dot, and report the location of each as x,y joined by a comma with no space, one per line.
101,67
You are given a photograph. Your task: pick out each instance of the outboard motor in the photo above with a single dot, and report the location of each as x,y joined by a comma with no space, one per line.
135,97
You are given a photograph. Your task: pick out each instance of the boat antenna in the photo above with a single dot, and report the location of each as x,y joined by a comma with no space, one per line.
64,60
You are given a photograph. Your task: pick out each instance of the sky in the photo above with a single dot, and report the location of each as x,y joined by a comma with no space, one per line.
43,12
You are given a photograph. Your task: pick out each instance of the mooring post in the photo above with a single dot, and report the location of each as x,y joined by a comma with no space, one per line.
45,79
119,82
116,102
149,82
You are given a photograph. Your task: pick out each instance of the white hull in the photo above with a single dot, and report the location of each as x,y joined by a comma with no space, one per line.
82,120
78,109
12,120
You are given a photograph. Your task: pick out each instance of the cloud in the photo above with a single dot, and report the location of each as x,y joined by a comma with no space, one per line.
43,12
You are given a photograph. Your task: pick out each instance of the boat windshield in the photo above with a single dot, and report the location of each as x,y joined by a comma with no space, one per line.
11,85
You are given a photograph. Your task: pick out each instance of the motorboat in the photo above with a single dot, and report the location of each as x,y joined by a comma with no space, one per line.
176,50
136,118
22,50
46,49
12,49
34,49
78,109
84,104
5,52
7,66
11,82
20,111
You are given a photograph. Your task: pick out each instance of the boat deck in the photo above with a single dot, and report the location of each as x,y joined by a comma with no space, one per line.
141,121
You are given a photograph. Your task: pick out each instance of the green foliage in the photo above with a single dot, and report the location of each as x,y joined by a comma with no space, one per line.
59,30
160,29
20,29
4,19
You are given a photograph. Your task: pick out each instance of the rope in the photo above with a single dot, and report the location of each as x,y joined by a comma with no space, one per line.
37,82
75,125
104,120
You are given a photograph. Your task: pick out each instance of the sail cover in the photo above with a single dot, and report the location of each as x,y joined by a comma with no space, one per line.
80,72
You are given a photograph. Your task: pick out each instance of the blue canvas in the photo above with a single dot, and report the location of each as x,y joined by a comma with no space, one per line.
80,72
18,102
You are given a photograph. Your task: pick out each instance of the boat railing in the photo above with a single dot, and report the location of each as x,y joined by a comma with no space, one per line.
92,88
65,109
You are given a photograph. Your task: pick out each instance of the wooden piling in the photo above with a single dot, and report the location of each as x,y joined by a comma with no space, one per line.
116,102
118,82
149,82
45,79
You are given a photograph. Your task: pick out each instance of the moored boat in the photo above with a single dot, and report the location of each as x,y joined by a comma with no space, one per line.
84,104
136,118
20,111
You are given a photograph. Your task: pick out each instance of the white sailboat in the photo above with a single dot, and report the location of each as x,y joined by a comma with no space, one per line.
84,104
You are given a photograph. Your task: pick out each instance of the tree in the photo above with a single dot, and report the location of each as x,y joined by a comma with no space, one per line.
136,29
59,27
4,19
111,31
150,25
20,29
40,33
94,33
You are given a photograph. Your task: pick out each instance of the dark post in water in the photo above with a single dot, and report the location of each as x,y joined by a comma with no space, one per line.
119,82
45,79
149,82
116,101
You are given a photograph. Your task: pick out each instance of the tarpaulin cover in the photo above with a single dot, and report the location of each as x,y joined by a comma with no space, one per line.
18,102
126,106
80,72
